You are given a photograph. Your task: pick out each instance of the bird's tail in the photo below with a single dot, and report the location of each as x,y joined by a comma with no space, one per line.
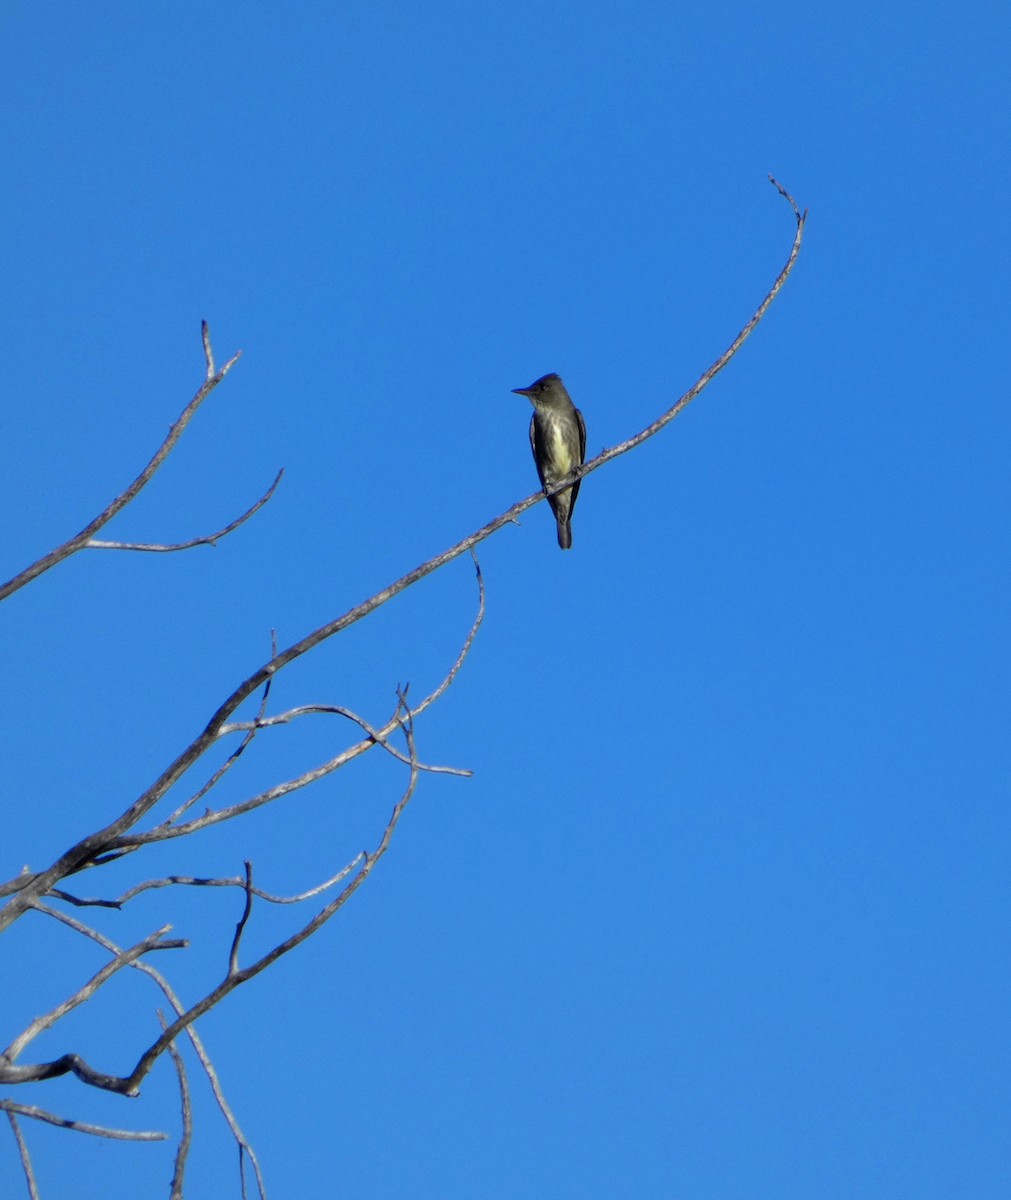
564,534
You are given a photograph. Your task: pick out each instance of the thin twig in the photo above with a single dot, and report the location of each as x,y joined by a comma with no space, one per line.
703,380
72,545
205,337
338,710
120,1135
152,942
454,670
164,831
245,1149
26,1160
196,881
233,957
801,216
210,539
380,736
233,757
183,1149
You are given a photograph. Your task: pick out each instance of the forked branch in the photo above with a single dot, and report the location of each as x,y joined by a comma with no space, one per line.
81,540
235,975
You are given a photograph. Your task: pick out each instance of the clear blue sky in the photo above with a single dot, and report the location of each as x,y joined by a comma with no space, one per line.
724,911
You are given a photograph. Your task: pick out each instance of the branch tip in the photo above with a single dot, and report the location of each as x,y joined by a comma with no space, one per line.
228,365
801,217
205,337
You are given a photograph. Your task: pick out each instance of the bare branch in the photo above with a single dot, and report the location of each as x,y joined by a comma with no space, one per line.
183,1149
454,670
233,957
801,216
166,830
379,736
65,1065
245,1149
210,539
80,540
205,337
118,838
130,1085
26,1161
112,835
122,1135
191,1032
338,710
233,757
705,378
239,976
194,881
47,1020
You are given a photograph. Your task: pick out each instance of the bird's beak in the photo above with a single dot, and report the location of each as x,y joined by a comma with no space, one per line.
523,392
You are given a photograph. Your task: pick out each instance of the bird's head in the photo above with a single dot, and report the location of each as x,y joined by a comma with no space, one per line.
545,389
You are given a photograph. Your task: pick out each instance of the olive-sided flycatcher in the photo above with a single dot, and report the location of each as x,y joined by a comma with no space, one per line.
558,440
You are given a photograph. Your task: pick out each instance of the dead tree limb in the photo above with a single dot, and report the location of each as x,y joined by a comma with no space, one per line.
116,834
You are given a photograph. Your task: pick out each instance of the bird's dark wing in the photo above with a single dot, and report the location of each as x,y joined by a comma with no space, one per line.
536,448
582,456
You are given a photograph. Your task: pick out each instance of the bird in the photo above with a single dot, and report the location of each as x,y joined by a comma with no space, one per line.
558,440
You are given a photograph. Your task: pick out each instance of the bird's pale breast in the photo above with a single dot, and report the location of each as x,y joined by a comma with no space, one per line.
560,449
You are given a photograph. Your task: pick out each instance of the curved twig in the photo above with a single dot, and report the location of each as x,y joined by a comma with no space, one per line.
338,710
210,539
199,881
